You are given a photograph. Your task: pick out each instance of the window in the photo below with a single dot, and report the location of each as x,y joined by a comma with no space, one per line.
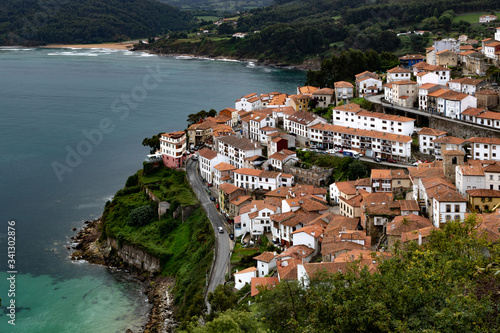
457,208
448,217
457,217
448,208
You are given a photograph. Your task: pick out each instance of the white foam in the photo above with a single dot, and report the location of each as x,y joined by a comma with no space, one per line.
10,48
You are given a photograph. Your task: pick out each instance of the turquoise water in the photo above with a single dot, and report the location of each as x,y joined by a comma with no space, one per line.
50,100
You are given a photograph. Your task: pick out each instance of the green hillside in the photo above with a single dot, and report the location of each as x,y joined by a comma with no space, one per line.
86,21
218,5
290,32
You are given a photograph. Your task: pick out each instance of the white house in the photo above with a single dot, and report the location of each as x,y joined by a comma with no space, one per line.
344,91
427,77
310,236
466,85
402,92
351,115
253,179
243,277
237,149
489,50
299,122
448,205
425,139
368,83
398,74
173,148
469,177
487,18
277,160
266,262
249,102
207,161
482,116
423,92
258,121
447,143
485,148
497,34
492,176
452,104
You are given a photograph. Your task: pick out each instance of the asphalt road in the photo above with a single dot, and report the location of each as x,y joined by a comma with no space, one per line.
221,262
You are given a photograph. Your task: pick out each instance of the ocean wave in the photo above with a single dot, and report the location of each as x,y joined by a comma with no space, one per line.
80,54
143,54
9,48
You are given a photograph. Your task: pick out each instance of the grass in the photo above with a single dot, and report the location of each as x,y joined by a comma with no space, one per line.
208,18
471,18
185,248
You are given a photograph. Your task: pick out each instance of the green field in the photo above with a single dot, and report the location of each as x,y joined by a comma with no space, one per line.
471,18
208,18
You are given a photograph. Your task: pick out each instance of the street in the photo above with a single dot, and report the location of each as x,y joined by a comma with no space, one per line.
221,260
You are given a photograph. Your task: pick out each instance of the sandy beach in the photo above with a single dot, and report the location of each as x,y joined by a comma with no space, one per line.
116,46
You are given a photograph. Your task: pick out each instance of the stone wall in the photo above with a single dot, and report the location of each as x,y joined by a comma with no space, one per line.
315,176
461,131
136,257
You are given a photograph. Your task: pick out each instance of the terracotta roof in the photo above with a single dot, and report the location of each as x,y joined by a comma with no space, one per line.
408,205
398,69
424,172
412,56
437,93
403,82
313,230
473,111
407,223
449,196
431,131
444,51
487,92
287,269
223,166
363,182
249,172
307,89
494,141
428,86
282,154
493,168
324,91
296,252
361,132
353,107
265,257
452,152
346,187
484,193
366,73
174,135
240,199
449,140
343,84
413,235
381,174
207,153
248,270
229,188
280,192
311,205
240,143
471,170
262,282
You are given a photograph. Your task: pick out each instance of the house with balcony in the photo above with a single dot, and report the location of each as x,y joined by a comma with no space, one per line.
443,73
237,203
299,123
426,136
284,224
227,193
277,160
368,83
299,102
266,262
423,91
409,60
257,122
173,149
323,97
237,149
207,161
445,143
252,179
482,117
344,91
485,148
466,85
223,173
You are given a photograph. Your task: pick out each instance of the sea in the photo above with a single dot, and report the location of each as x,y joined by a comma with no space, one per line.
72,123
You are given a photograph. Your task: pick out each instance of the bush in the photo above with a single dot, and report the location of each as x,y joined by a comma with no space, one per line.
132,181
141,216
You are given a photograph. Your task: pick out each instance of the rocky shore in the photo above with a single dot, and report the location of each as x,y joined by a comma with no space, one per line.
157,288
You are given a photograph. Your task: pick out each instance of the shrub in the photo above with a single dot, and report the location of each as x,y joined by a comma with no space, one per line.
141,216
132,181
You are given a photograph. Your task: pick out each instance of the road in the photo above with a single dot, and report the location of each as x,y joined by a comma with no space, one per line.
221,260
377,99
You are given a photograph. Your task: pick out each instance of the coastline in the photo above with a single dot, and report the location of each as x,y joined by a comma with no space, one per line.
114,46
157,288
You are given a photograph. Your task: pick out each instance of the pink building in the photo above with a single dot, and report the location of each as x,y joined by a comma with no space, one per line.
173,149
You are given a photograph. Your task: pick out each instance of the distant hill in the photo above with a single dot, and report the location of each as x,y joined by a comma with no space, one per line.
218,5
86,21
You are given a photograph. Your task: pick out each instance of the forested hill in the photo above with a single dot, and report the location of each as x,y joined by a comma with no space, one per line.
291,31
86,21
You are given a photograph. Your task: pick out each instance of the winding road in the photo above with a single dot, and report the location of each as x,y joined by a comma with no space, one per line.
222,247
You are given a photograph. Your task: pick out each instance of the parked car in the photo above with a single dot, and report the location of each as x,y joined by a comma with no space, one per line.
383,159
231,236
377,159
221,230
390,160
212,199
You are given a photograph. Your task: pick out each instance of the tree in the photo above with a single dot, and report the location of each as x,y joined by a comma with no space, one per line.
141,216
222,298
153,142
357,170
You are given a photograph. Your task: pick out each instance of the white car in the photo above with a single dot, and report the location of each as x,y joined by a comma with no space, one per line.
221,230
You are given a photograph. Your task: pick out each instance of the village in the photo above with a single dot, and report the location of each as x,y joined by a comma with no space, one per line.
248,157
